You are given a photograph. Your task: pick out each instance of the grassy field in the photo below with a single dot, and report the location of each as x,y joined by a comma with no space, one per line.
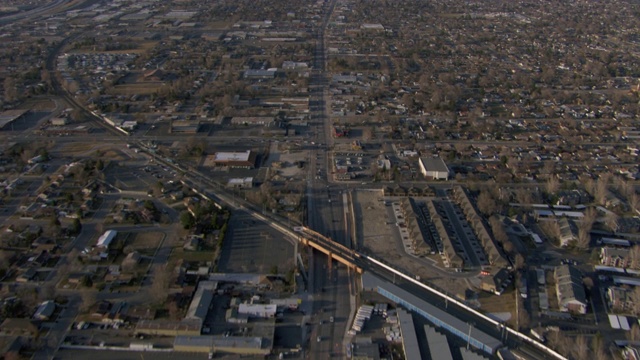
146,242
199,256
76,147
498,304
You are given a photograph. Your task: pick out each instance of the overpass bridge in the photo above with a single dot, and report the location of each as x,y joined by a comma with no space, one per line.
360,262
332,249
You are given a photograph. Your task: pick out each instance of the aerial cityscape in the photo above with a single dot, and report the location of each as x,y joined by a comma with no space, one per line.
327,179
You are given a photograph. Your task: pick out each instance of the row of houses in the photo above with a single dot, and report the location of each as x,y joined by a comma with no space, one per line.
494,255
445,246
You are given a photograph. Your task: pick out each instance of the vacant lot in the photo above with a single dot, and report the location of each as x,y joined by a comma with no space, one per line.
377,234
146,243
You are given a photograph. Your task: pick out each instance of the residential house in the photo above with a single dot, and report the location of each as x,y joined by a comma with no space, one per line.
570,290
620,299
615,257
496,281
45,310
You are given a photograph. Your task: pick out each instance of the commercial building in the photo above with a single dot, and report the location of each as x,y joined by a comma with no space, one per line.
410,344
240,183
240,159
258,310
434,168
438,345
240,345
9,116
199,306
168,328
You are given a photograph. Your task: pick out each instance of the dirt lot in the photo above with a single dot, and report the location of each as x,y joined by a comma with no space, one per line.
377,236
285,160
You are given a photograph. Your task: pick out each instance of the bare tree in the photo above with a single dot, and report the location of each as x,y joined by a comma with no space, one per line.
498,229
551,229
559,341
158,290
520,262
584,238
635,300
88,298
581,348
634,334
634,257
600,193
46,292
523,196
611,220
552,185
634,201
486,203
588,282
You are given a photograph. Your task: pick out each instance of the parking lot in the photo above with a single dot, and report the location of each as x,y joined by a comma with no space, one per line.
252,246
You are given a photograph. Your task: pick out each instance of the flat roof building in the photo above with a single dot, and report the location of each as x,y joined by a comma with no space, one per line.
9,116
258,310
241,160
438,345
219,344
199,306
410,344
433,168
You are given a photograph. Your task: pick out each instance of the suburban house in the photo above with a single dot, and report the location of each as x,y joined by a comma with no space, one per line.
615,257
570,291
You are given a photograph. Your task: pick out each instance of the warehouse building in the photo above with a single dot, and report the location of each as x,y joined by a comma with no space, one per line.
199,306
10,116
434,168
410,344
240,345
258,310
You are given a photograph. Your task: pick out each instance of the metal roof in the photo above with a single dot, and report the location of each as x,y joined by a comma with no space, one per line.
409,339
438,345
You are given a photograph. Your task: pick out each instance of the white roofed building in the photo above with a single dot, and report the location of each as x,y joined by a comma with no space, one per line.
242,160
258,310
105,240
433,168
